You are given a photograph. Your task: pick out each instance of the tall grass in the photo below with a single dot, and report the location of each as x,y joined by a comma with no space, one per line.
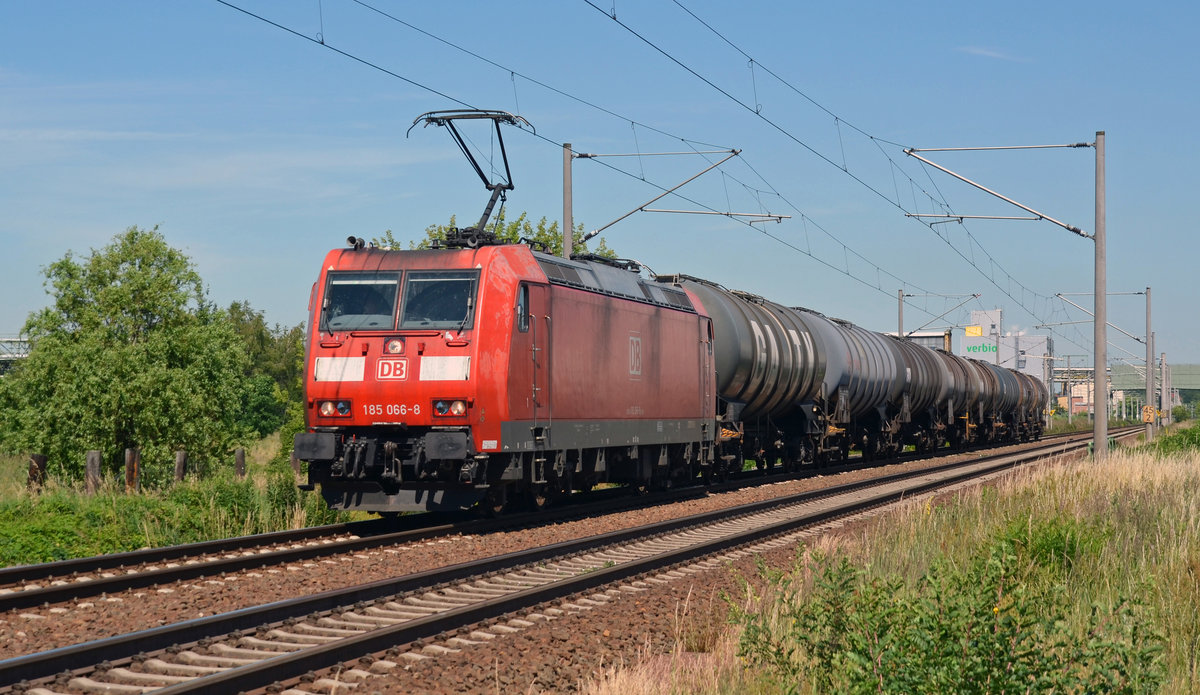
13,473
1089,572
61,521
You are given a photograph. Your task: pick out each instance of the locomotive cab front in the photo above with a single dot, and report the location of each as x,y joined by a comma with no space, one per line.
391,402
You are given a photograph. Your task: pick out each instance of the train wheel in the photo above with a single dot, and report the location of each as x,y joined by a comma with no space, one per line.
540,495
726,466
495,502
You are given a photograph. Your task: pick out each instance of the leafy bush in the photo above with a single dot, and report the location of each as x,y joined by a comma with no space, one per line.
263,407
993,627
61,523
1179,442
1053,544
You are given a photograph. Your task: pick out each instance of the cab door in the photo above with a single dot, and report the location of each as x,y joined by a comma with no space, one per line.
529,358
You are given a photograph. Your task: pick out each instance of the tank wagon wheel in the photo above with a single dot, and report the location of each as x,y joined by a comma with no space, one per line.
868,445
759,456
792,458
779,457
713,473
805,453
727,465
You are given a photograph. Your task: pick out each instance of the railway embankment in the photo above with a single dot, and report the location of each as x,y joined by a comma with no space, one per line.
1080,577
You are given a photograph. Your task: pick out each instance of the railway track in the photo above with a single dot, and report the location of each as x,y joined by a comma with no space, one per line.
258,646
28,586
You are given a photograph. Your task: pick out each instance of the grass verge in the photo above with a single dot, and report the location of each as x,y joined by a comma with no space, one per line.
61,521
1075,578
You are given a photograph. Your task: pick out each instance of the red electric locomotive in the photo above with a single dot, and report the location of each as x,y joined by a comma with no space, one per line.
437,379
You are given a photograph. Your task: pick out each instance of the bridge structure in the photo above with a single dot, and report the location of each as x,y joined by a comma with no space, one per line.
1132,377
12,349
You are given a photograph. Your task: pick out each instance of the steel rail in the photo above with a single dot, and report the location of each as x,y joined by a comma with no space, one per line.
57,593
96,563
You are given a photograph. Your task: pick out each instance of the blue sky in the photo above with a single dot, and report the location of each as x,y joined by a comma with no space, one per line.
256,150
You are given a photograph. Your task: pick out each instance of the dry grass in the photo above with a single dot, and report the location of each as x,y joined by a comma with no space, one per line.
1139,521
703,661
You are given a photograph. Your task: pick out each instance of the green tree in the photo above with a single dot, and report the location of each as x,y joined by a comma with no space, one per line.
130,353
543,234
274,369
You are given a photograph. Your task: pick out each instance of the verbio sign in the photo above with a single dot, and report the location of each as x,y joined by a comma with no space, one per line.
981,348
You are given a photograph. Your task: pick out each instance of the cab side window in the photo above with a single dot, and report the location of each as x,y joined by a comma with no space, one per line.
523,309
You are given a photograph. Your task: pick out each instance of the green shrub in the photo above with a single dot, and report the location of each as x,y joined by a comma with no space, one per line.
263,407
995,626
61,522
1053,544
1181,441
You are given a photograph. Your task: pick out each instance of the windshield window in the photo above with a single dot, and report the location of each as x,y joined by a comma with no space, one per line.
439,299
362,301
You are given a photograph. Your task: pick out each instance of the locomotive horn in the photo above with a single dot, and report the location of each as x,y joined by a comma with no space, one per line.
355,242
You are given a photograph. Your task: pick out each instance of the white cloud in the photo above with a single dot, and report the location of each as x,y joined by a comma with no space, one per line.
989,53
82,135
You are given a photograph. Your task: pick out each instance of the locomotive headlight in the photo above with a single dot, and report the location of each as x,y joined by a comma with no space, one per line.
395,346
334,408
450,408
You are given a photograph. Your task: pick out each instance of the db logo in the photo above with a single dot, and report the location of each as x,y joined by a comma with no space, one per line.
391,369
635,356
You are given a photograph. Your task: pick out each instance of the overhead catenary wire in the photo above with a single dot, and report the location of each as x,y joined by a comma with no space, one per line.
838,120
634,124
322,42
846,250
